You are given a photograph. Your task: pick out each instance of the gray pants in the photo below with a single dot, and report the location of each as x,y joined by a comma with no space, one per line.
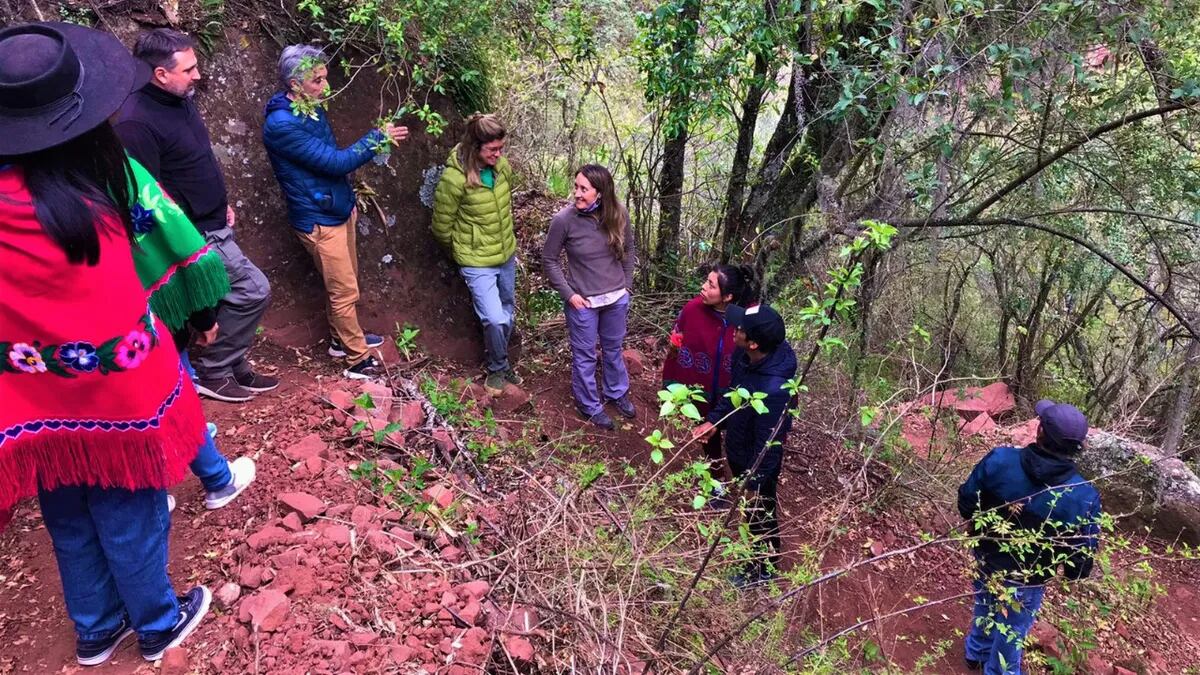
238,314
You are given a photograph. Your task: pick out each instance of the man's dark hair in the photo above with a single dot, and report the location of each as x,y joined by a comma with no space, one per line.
158,47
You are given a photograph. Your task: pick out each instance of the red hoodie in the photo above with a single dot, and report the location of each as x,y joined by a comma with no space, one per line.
703,351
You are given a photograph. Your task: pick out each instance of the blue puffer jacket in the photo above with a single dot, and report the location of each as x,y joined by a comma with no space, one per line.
1042,494
310,167
746,431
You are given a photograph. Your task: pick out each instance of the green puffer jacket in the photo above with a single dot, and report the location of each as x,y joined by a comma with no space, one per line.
475,223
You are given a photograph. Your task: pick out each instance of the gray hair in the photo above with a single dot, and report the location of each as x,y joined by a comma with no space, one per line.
296,58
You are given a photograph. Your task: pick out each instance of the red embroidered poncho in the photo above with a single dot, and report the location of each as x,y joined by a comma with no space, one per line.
703,351
91,390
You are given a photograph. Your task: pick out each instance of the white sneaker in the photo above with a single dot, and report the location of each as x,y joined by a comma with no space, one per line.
170,504
212,430
243,471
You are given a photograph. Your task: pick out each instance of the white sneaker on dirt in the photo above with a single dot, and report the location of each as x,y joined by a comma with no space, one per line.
170,504
243,472
212,430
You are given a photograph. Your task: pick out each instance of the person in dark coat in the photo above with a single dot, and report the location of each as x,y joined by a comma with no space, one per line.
161,128
313,173
1032,513
762,363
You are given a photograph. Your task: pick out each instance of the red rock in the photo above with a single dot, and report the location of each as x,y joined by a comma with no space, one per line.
520,649
452,554
292,522
995,399
476,646
521,620
314,465
251,577
442,439
342,400
1024,433
1118,670
286,559
1045,635
361,516
338,534
227,594
982,422
299,581
439,495
339,417
471,612
362,639
382,543
174,662
401,653
408,414
309,446
476,590
512,398
635,363
302,503
266,610
339,510
267,536
403,538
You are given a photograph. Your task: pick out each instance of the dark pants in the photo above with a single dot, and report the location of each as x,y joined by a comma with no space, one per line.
715,454
239,313
761,513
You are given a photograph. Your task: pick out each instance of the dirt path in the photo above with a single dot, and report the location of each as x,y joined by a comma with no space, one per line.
372,590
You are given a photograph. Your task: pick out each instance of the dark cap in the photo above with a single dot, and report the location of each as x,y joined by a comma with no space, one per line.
1062,424
761,324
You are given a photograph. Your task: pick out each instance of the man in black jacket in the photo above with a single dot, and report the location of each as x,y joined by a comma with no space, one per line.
762,364
161,128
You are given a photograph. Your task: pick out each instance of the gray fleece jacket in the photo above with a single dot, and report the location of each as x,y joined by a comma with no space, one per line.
592,269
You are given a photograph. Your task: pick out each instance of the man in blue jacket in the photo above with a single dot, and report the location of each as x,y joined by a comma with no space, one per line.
313,173
1032,513
762,363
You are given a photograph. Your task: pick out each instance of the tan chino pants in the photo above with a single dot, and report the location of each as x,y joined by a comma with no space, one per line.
333,252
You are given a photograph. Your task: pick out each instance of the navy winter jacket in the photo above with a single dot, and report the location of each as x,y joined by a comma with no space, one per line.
310,167
1041,493
747,431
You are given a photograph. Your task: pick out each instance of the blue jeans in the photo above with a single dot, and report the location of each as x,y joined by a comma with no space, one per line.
584,328
999,627
111,546
494,293
210,466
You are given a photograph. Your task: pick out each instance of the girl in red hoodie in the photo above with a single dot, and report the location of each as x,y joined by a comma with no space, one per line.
702,341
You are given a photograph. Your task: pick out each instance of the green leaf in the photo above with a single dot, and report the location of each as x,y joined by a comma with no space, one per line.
698,502
365,401
358,426
689,410
667,408
759,407
656,456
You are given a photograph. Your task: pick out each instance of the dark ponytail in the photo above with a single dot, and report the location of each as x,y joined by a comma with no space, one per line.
76,184
740,281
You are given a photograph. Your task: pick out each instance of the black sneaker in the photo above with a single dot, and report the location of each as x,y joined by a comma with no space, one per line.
751,578
625,406
972,664
338,350
192,608
600,419
95,652
367,369
224,389
256,382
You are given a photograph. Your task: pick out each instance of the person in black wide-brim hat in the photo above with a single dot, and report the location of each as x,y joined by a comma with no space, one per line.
96,417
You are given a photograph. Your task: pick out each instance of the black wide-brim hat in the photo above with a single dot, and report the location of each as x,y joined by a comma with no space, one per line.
59,81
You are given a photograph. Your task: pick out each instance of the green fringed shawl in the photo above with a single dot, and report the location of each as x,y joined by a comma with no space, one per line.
175,265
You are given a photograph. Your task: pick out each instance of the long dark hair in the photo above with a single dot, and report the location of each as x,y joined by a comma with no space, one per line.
740,281
612,211
76,184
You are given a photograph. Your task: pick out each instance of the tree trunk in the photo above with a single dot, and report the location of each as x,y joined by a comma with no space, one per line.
1181,409
735,237
670,209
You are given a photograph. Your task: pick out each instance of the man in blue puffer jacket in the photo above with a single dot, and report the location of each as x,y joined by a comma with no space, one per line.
313,172
762,363
1033,513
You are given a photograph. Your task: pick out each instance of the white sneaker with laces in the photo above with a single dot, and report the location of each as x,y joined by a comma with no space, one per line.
243,471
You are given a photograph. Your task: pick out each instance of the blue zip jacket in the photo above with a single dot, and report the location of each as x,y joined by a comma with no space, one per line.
1039,492
311,169
747,431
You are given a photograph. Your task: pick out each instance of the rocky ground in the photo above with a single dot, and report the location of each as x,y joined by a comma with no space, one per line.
321,567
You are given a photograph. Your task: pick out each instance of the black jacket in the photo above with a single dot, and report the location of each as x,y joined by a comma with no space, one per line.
167,135
747,431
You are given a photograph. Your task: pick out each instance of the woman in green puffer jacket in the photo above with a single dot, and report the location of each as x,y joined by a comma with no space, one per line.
472,217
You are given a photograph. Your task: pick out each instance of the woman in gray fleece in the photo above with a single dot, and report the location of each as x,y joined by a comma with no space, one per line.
595,234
